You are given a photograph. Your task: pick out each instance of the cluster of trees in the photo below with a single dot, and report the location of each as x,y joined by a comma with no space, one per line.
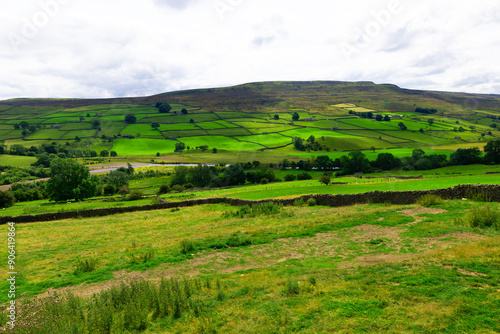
211,176
48,151
356,161
309,144
26,127
165,108
381,118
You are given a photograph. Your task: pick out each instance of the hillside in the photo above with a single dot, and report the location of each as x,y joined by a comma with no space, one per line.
255,118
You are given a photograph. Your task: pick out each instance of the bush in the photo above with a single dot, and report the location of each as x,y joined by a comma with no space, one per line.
85,266
429,200
264,181
299,202
256,210
164,189
187,246
483,217
477,196
304,176
6,199
311,202
290,177
136,195
178,188
123,190
109,190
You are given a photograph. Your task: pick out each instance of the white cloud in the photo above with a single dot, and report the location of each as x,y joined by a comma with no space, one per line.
123,48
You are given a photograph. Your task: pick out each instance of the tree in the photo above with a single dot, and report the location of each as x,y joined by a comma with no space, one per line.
93,153
31,128
24,125
96,123
184,111
179,147
430,121
24,133
355,162
113,153
298,143
387,161
2,149
17,126
17,149
6,199
191,121
379,118
214,150
295,116
276,116
155,125
492,150
468,156
163,108
77,139
70,180
104,153
387,118
402,126
369,114
324,179
130,119
118,178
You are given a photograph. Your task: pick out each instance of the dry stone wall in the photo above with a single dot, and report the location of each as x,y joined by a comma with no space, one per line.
492,191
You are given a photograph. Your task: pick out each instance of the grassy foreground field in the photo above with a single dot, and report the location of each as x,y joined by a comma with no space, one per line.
308,269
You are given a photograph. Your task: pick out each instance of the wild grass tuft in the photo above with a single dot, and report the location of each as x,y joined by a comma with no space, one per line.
477,196
483,217
85,266
429,200
255,210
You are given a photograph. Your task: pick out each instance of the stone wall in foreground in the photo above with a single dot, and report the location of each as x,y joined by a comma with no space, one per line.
492,191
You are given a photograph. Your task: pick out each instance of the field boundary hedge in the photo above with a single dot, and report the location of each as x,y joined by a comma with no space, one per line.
492,191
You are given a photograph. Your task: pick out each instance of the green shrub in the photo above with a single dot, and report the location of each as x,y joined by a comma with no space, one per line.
6,199
292,287
485,216
429,200
178,188
477,196
109,190
269,208
304,176
311,202
290,177
299,202
264,181
135,195
164,189
123,190
187,246
86,266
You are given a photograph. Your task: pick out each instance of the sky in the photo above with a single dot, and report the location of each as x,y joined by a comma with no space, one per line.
111,48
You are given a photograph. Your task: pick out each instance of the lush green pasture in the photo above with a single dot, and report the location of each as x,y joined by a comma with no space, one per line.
79,133
16,160
185,133
111,129
76,126
220,142
10,134
47,134
275,129
141,146
143,130
269,140
178,126
211,125
235,131
59,120
387,136
227,124
317,133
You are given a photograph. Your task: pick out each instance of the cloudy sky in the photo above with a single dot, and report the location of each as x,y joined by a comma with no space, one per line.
111,48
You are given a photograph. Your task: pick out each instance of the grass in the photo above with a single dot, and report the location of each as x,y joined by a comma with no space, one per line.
17,161
220,142
143,146
351,269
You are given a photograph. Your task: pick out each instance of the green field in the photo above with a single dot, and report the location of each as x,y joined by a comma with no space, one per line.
220,142
139,146
240,111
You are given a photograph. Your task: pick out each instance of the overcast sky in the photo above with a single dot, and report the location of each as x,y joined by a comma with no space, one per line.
111,48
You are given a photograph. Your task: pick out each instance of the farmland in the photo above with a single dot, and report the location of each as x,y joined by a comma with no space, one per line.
430,266
257,128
